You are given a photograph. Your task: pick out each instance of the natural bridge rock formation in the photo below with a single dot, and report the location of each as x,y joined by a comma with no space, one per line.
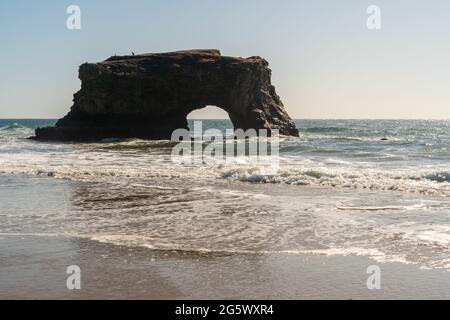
149,96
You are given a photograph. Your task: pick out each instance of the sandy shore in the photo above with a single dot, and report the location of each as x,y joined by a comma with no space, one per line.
34,268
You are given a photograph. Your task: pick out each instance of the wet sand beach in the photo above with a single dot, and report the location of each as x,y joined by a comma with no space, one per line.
35,268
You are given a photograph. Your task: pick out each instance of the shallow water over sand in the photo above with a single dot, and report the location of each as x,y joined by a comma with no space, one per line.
232,219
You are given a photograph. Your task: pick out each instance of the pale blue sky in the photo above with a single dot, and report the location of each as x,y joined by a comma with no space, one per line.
325,62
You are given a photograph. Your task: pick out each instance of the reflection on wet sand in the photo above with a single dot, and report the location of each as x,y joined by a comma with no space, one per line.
174,219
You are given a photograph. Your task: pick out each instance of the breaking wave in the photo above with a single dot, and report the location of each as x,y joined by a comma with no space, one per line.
13,126
439,176
414,181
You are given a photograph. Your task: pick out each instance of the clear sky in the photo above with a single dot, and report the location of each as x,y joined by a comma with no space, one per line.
325,62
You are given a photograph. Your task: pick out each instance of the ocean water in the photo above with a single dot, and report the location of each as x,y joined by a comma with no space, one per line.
373,188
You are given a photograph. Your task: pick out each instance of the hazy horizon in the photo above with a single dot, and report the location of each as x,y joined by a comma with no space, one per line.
206,117
326,63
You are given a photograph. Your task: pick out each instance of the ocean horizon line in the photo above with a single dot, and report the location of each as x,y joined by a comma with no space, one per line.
295,119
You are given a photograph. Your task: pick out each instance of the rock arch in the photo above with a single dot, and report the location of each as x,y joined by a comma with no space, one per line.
149,96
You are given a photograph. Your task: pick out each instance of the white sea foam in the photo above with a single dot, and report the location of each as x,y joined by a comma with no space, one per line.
360,208
146,242
424,181
88,165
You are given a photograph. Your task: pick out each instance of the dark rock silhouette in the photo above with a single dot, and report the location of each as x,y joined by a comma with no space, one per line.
149,96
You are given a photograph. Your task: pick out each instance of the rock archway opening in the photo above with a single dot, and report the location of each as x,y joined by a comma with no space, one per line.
211,117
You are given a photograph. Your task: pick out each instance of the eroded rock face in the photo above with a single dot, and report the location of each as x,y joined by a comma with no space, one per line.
149,96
